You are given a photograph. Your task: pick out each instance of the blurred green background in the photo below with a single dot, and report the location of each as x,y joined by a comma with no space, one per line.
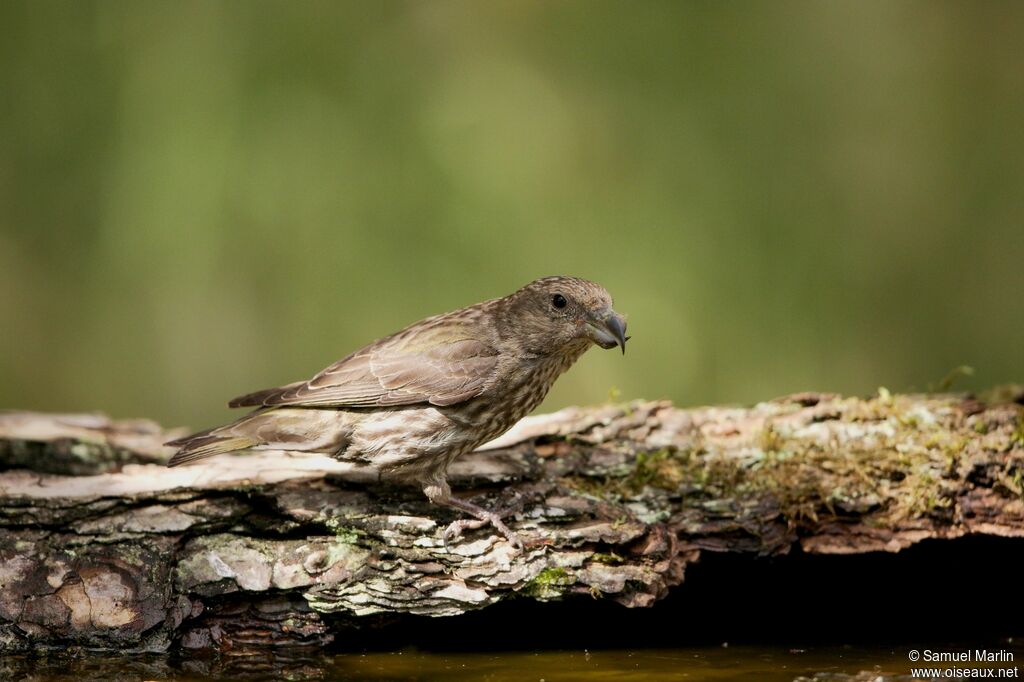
199,199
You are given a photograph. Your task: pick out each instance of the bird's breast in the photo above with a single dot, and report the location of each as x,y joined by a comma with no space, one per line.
417,439
511,399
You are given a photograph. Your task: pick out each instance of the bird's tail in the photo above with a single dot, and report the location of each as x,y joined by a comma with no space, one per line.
207,444
301,429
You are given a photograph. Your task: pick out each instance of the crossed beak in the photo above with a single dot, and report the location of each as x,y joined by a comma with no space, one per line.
608,329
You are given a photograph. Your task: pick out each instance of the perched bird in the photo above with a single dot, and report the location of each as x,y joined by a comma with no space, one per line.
410,403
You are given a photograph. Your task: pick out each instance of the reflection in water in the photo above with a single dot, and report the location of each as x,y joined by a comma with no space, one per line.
734,663
698,663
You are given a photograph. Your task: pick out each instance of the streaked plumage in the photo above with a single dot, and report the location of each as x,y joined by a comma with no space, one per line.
410,403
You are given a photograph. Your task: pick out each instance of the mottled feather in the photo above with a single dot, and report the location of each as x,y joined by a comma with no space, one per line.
441,361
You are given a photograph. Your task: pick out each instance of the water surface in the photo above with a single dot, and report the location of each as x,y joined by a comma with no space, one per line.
717,663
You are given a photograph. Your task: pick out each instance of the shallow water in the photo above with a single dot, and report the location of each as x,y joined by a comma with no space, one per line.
715,663
718,663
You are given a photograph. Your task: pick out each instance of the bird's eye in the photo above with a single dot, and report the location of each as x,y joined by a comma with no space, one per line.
558,301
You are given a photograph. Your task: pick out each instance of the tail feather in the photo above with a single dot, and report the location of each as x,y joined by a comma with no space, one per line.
203,445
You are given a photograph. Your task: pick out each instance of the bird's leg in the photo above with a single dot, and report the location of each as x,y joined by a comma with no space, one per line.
439,492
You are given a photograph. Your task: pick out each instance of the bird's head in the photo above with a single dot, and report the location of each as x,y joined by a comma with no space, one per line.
554,314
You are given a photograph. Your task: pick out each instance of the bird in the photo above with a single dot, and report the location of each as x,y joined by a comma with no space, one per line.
410,403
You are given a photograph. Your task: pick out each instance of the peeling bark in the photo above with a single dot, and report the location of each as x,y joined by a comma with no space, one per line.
102,547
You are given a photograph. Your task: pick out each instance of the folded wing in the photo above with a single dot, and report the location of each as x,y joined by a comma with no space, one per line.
440,364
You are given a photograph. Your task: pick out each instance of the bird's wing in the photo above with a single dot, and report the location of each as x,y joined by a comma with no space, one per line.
440,364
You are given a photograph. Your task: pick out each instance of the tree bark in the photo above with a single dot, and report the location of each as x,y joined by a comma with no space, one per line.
103,547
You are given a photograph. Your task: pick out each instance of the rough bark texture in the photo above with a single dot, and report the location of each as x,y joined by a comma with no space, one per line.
103,547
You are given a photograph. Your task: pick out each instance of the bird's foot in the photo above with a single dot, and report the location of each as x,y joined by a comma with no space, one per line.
438,492
455,528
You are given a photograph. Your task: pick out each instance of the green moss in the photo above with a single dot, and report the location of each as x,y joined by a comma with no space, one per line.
909,420
547,583
599,487
1018,434
925,497
665,469
770,440
610,558
345,534
658,469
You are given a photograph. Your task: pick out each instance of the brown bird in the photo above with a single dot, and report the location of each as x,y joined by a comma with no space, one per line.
410,403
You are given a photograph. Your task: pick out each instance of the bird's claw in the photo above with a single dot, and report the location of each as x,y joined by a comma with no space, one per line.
455,528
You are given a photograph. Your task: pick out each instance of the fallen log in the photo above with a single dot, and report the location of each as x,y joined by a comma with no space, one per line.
102,547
